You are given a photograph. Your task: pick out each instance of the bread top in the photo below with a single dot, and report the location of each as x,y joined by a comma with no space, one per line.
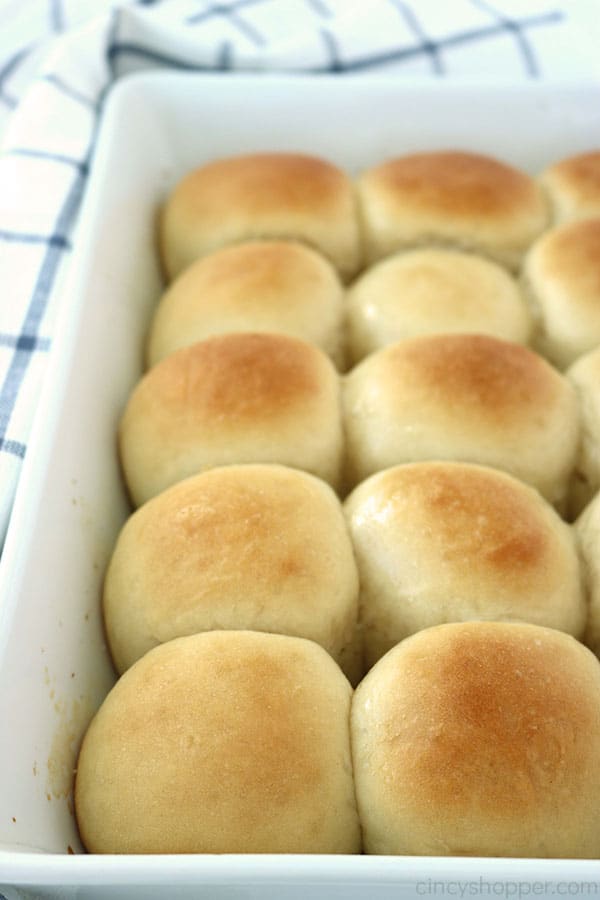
221,742
489,383
584,374
469,198
563,279
234,398
261,547
587,528
258,195
452,183
433,291
473,535
237,379
471,398
485,723
567,257
573,185
254,286
261,182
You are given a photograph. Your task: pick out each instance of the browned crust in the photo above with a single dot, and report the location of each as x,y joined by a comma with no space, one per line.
578,176
570,255
259,183
453,183
497,377
234,377
497,718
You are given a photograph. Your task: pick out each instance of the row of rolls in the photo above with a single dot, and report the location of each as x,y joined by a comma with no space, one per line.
350,609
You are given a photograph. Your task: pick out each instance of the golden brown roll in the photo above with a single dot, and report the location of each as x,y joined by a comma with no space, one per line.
480,739
562,279
587,530
255,547
255,286
261,195
470,398
235,398
573,186
443,542
585,377
433,291
452,198
224,742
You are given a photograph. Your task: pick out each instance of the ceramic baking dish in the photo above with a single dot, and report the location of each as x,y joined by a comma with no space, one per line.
54,666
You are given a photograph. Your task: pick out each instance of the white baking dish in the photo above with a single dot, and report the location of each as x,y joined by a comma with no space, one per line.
54,668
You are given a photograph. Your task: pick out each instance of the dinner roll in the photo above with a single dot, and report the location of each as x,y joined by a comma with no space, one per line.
256,286
562,278
587,530
447,542
585,376
223,742
466,200
433,291
573,186
259,547
235,398
470,398
480,739
261,195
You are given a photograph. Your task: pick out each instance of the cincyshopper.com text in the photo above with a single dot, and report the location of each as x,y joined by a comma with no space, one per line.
507,889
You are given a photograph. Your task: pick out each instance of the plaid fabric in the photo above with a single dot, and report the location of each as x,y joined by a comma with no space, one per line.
58,60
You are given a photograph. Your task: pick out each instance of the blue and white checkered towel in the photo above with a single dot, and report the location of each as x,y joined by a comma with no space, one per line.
59,58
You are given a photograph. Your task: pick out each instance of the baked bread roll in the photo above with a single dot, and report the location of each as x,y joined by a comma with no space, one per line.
585,377
261,195
480,739
443,542
254,547
433,291
224,742
587,530
451,198
573,186
470,398
236,398
256,286
562,279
